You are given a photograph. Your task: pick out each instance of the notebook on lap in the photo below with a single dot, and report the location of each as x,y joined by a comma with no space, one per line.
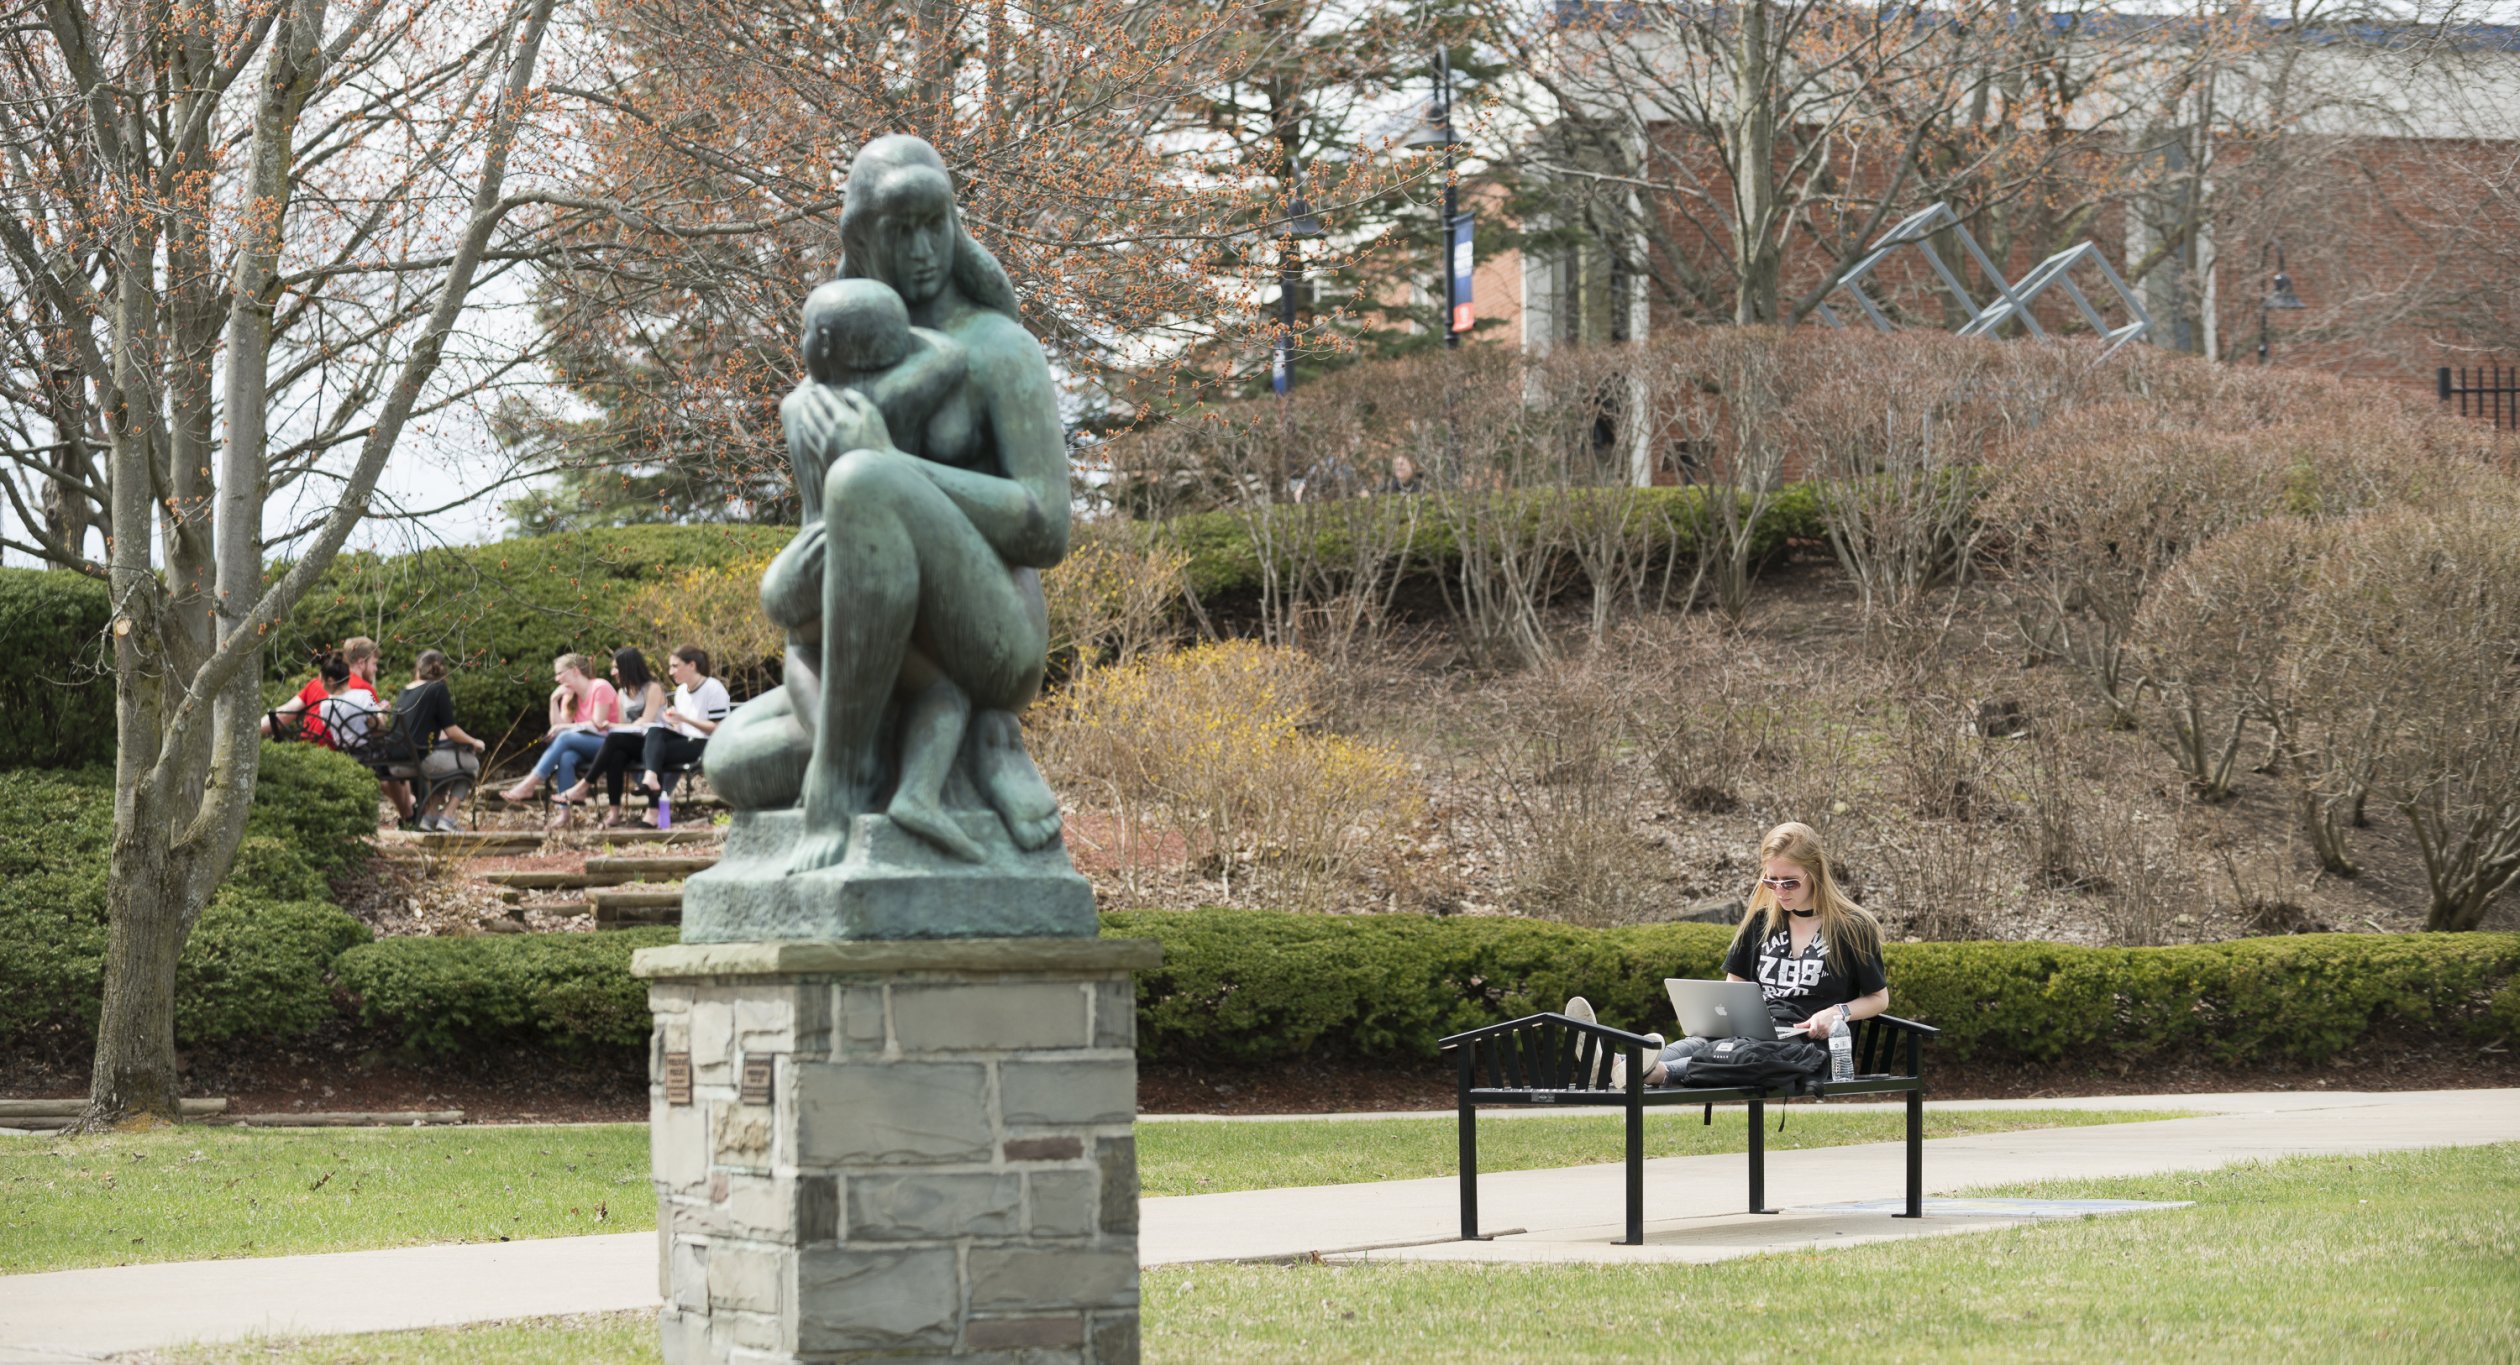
1722,1009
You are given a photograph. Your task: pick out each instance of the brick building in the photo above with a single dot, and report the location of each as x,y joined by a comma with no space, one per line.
2382,164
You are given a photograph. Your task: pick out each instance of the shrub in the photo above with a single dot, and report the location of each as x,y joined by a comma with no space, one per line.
1257,987
1215,745
319,803
447,994
257,968
255,965
2205,651
58,700
1251,986
1225,568
1113,598
718,608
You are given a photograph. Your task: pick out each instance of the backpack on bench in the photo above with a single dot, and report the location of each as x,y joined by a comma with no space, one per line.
1788,1064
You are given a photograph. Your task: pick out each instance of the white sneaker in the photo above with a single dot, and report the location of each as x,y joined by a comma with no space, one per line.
1579,1009
1618,1063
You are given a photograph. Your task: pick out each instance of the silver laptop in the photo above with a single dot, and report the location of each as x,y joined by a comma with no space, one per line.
1722,1009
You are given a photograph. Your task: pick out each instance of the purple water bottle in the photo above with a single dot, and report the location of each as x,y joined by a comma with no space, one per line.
665,810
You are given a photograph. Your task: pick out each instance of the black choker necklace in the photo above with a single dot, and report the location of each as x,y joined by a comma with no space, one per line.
1802,914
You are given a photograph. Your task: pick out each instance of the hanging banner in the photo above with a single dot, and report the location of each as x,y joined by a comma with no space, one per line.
1282,361
1461,261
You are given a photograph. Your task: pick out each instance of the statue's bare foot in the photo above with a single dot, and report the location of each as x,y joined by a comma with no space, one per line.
1010,783
829,811
819,849
931,822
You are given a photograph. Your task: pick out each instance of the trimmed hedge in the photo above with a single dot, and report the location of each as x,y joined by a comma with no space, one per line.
1223,562
1245,986
60,706
1256,987
258,961
448,994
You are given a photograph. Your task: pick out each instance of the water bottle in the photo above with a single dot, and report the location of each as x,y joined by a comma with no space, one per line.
664,810
1841,1050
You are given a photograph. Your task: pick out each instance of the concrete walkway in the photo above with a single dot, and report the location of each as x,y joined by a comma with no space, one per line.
1693,1207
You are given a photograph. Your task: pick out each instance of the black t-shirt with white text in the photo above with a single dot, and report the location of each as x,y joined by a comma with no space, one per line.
1798,987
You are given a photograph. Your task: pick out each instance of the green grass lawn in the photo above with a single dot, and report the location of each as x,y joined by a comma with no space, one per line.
581,1339
1213,1157
2409,1256
202,1193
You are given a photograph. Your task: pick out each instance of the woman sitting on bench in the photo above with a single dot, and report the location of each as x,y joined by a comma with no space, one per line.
700,705
1815,954
642,715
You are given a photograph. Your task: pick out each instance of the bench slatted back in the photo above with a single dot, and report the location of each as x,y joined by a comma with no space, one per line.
1878,1052
1543,1054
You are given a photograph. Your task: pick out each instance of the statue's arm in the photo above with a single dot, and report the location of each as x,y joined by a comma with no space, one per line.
1024,515
804,444
910,393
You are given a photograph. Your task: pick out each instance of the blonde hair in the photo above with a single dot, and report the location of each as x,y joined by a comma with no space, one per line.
577,662
1843,923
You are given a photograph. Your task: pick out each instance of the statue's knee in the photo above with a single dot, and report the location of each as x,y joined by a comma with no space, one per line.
757,759
859,477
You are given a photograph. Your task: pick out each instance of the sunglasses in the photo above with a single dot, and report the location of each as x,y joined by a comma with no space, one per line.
1781,883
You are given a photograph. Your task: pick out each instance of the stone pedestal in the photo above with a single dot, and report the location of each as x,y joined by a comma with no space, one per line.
896,1149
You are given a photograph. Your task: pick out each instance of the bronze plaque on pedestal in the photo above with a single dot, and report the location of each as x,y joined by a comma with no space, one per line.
678,1078
755,1085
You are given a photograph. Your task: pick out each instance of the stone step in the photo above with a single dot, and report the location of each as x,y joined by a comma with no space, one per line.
639,897
638,834
469,844
628,907
651,868
554,880
558,907
636,916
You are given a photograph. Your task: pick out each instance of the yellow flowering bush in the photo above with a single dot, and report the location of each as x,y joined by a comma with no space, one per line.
717,607
1216,746
1112,598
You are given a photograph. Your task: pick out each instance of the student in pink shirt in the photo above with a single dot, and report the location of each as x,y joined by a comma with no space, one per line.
583,708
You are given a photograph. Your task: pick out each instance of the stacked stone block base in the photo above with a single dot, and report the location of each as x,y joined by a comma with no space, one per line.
897,1150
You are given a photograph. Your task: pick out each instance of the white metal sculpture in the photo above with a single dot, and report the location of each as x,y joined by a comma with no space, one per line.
2011,301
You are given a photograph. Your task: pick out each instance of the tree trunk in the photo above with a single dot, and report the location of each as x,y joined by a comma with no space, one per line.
134,1077
1755,245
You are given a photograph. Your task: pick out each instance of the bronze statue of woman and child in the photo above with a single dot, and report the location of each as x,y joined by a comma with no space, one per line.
883,791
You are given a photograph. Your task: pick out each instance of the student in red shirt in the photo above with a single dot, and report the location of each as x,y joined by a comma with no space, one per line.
351,670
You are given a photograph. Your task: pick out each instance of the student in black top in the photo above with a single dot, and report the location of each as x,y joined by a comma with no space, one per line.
447,757
1815,955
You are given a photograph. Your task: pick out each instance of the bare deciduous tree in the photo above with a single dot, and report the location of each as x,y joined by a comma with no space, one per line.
244,234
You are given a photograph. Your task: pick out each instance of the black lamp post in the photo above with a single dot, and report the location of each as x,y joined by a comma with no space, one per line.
2279,295
1301,226
1435,132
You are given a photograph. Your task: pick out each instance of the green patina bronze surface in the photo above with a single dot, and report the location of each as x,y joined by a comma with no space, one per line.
883,790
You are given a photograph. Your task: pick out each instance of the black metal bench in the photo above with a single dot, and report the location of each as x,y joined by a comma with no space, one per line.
1561,1062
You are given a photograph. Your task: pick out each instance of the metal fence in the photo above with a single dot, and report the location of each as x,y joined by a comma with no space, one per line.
2488,391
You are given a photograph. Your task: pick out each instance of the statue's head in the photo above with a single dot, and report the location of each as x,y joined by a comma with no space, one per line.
854,328
898,224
